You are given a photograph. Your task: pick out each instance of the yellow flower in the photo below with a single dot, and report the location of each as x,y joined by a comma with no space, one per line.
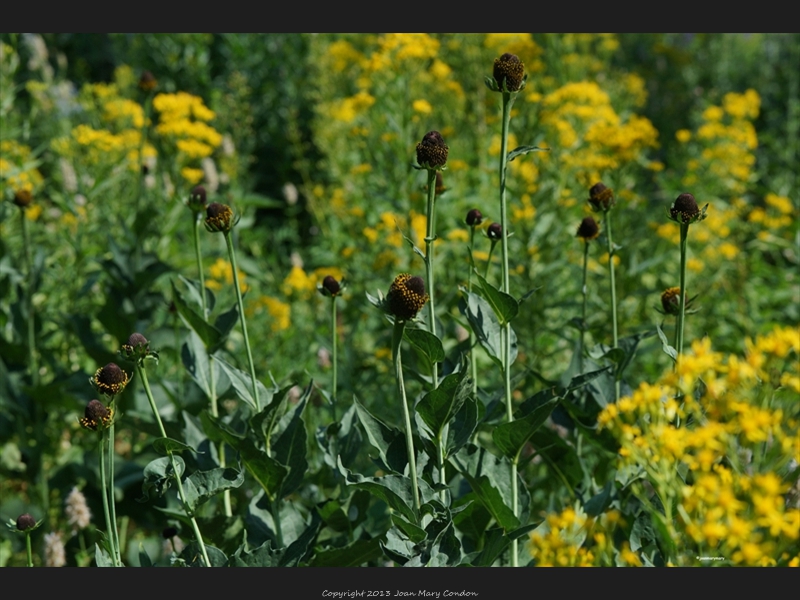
298,281
683,135
422,106
279,311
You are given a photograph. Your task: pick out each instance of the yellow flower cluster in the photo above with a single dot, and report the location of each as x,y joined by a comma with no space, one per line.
280,312
735,428
18,170
727,139
347,109
776,218
221,274
591,137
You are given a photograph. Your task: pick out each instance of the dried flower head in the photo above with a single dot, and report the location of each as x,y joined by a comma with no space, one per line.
494,231
137,347
685,210
23,198
77,511
474,217
197,199
147,82
432,151
601,198
25,522
588,229
406,296
96,414
219,217
509,72
110,380
330,287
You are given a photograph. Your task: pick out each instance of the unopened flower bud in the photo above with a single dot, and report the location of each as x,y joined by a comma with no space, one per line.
495,231
685,210
25,522
330,287
474,217
23,198
147,82
197,199
110,380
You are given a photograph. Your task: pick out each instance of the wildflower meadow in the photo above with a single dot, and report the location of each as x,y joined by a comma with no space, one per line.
445,300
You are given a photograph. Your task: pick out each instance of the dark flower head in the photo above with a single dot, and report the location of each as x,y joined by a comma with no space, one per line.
685,210
169,532
147,82
588,229
219,217
22,198
601,198
25,522
510,70
495,231
330,287
432,151
671,302
110,380
136,347
96,415
406,296
474,217
197,199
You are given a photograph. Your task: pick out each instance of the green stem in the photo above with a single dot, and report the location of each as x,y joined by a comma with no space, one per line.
508,101
682,312
104,485
276,519
585,293
112,497
142,372
32,358
236,284
610,247
430,236
28,548
397,338
334,347
472,343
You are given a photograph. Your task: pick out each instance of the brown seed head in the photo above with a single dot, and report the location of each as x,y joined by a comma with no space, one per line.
406,296
25,522
588,229
96,415
684,209
432,151
110,380
474,217
330,287
511,69
495,231
601,198
219,217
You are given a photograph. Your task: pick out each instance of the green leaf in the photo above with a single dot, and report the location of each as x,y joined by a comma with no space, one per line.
485,325
242,383
290,447
194,291
395,490
193,557
597,504
144,558
440,406
342,438
519,151
225,323
463,425
415,534
102,557
511,437
158,474
426,344
665,345
209,334
263,556
299,548
489,477
202,485
388,441
166,445
195,360
354,554
504,305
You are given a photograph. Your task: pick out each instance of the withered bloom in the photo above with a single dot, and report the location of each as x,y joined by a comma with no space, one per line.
96,415
588,229
110,380
219,217
432,151
406,296
601,198
509,69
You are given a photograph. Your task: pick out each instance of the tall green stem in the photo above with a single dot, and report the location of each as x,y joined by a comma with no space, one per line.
334,348
32,357
397,338
110,529
142,372
585,293
28,548
472,342
112,496
430,236
232,256
682,312
508,101
610,247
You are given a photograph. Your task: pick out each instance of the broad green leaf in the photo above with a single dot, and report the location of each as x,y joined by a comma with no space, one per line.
489,477
102,557
519,151
209,334
224,323
144,558
438,407
463,425
194,291
496,542
426,344
395,490
354,554
158,474
166,445
193,557
263,556
484,324
299,548
504,305
243,384
195,360
597,504
511,437
415,533
290,447
341,438
665,345
202,485
388,441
